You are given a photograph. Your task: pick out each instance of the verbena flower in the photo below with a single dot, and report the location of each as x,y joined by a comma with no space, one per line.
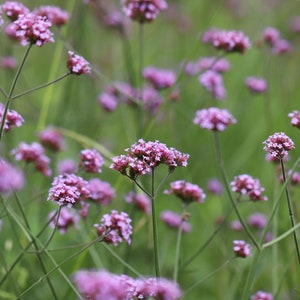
100,191
54,14
295,118
246,185
12,120
66,166
186,191
227,40
278,145
261,295
215,186
12,179
115,228
159,78
68,189
174,220
143,10
214,118
241,248
151,99
256,84
77,64
141,201
295,179
257,220
51,139
12,9
213,82
33,29
281,46
68,218
236,225
91,161
270,36
8,62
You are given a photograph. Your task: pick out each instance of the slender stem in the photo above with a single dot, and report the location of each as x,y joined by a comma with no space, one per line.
224,178
291,210
141,86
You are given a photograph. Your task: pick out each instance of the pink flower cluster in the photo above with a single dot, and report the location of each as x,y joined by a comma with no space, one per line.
51,139
142,157
141,201
159,78
248,186
100,191
12,9
256,84
214,118
278,145
33,153
186,191
115,228
295,118
241,249
68,189
103,285
143,10
261,295
174,220
54,14
91,161
12,119
227,40
212,81
76,64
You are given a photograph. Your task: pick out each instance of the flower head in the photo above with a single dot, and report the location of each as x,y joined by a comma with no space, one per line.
51,139
241,249
257,220
12,9
141,201
295,118
54,14
115,228
214,118
278,145
260,295
12,119
77,64
100,191
159,78
215,186
256,84
213,82
270,36
174,220
91,161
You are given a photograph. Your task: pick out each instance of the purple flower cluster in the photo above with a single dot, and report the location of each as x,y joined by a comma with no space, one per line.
115,228
33,153
12,179
227,40
68,189
141,201
12,9
51,139
241,248
256,84
159,78
261,295
100,191
278,145
295,118
143,10
91,161
212,81
76,64
12,119
248,186
186,191
103,285
142,157
54,14
174,220
214,118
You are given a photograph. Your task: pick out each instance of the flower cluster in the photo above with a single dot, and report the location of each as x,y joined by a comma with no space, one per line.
186,191
33,153
214,118
103,285
12,119
278,145
115,228
247,185
91,161
227,40
68,189
51,139
174,220
241,249
212,81
256,84
159,78
76,64
143,10
141,201
12,9
54,14
295,118
100,191
143,157
261,295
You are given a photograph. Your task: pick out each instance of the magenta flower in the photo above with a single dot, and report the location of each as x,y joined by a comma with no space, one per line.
281,46
12,9
108,101
257,220
151,99
295,118
215,186
214,118
8,62
68,189
236,225
270,36
228,41
256,84
66,166
143,10
186,191
12,120
174,220
91,161
248,186
33,29
54,14
12,179
260,295
278,145
141,201
115,228
100,191
68,218
295,179
213,82
77,64
52,139
159,78
241,249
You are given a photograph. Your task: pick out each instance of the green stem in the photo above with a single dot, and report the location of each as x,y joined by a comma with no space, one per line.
141,86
